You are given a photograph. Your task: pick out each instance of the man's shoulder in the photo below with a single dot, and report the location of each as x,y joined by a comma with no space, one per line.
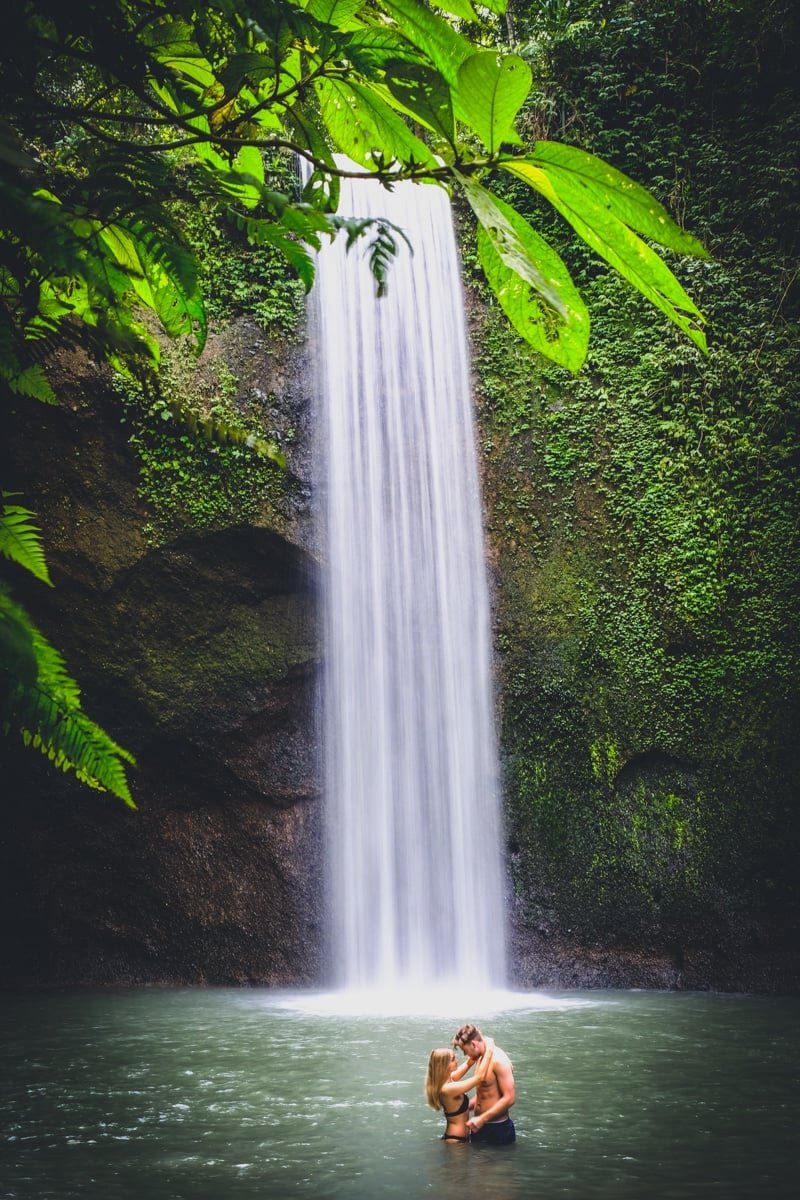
500,1057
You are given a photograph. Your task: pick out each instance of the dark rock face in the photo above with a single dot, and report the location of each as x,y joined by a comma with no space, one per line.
199,656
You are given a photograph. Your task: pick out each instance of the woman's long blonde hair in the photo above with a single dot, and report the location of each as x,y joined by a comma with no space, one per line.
437,1076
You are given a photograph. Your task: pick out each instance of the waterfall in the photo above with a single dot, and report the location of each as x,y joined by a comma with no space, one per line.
410,758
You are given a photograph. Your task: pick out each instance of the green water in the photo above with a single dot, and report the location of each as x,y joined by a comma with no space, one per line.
227,1095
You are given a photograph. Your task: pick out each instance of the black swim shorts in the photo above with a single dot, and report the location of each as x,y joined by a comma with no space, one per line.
495,1133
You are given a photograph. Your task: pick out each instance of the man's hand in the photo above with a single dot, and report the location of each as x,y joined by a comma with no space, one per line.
476,1123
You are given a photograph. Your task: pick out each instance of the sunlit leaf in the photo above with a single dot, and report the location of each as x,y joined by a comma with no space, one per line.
172,44
339,13
365,128
575,173
459,8
530,280
369,50
424,93
163,276
617,244
446,48
492,88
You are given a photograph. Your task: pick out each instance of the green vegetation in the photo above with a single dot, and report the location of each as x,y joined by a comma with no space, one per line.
191,481
237,277
646,510
131,127
37,695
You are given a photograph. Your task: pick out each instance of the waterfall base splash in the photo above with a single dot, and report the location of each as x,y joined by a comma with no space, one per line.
452,1006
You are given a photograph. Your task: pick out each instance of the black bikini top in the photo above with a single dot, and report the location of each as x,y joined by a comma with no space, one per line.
462,1108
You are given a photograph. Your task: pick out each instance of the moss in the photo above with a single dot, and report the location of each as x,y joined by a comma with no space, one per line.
645,555
238,279
246,648
190,481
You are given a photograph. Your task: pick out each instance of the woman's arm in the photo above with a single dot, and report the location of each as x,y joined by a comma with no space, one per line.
461,1071
458,1085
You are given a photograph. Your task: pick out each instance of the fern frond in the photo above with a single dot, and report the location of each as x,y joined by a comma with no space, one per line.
18,666
225,432
261,232
34,383
170,272
380,250
72,741
41,701
21,541
22,380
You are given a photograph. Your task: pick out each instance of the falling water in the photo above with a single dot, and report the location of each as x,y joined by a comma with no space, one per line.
409,742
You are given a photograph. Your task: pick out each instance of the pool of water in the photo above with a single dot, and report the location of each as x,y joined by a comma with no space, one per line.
230,1095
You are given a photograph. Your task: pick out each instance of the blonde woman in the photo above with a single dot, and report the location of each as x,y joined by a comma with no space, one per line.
446,1088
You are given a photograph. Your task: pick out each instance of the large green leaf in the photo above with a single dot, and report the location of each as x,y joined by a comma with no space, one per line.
459,8
173,45
249,162
492,88
424,93
246,67
530,281
432,34
601,229
573,173
365,128
369,50
338,13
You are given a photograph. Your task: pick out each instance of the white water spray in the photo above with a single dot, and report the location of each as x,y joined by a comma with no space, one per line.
411,770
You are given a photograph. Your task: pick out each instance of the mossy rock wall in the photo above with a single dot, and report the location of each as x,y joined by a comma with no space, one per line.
644,551
184,603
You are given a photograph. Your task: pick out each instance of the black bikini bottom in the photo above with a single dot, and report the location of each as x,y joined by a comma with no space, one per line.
454,1137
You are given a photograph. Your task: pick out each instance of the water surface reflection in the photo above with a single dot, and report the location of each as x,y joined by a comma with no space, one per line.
233,1095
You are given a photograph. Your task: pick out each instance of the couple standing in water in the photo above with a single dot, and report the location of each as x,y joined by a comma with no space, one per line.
483,1120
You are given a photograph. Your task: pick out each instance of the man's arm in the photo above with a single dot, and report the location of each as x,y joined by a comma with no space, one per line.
504,1077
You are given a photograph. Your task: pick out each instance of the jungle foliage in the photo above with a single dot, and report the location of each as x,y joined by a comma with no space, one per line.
115,109
647,509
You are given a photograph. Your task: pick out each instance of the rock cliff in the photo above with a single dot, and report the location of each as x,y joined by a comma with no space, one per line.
199,654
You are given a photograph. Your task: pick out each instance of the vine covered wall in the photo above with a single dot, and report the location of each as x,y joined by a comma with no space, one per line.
644,522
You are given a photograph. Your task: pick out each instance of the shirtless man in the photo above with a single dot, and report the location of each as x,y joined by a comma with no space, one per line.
490,1123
